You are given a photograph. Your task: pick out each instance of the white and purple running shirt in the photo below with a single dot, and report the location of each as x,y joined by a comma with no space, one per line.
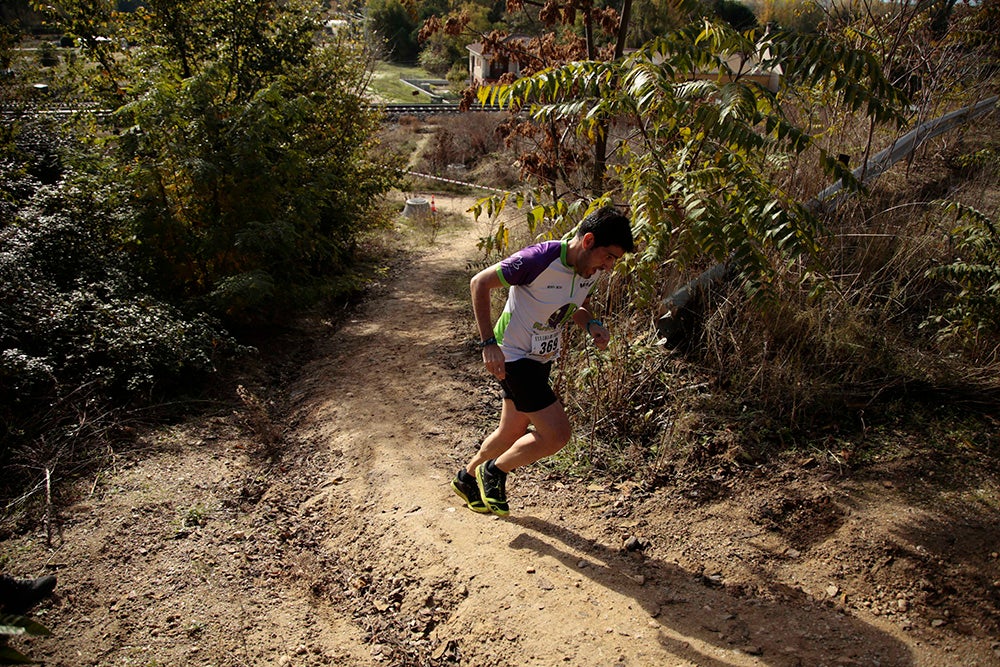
544,293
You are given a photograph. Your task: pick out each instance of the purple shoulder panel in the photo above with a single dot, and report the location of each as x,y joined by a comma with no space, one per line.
525,265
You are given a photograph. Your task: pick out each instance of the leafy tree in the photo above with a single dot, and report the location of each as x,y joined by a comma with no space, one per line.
393,23
571,30
562,31
17,13
9,37
653,18
789,14
397,23
446,49
244,150
701,160
92,24
225,176
941,12
178,32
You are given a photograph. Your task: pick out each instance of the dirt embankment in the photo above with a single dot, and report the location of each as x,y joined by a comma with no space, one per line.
351,548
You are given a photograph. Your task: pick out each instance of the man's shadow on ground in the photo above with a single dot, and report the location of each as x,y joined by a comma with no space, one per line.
780,624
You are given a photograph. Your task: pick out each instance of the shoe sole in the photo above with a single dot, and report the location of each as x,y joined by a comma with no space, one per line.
499,511
480,509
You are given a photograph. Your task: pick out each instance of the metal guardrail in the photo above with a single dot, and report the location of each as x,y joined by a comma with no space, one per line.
829,199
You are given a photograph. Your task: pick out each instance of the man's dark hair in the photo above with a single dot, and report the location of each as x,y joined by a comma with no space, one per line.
609,227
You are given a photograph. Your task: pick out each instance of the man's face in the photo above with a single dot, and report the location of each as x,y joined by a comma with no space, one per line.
597,258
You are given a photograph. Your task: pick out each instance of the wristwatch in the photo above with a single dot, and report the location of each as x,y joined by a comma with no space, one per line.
492,340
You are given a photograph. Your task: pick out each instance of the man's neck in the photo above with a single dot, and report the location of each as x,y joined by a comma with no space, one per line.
572,251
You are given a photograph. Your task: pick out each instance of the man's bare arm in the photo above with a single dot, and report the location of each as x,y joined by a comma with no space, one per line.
481,285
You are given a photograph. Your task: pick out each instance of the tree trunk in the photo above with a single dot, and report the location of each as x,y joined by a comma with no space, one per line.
601,144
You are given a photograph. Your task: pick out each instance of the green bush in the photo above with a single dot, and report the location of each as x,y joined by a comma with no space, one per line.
231,182
974,274
77,328
247,201
29,158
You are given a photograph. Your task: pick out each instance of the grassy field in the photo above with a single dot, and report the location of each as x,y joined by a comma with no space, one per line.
387,85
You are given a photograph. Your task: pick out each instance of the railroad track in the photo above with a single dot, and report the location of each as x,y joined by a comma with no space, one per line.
394,111
391,111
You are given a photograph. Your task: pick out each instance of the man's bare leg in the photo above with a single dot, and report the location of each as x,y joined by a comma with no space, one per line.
513,425
552,432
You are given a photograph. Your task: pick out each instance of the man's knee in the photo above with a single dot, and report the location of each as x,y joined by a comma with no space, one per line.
554,434
508,435
562,435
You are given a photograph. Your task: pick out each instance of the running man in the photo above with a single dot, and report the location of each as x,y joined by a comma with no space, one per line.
549,283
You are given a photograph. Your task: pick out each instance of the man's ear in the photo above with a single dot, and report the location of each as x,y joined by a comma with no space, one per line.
588,240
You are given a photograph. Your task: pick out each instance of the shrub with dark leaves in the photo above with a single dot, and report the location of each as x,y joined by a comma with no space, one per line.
75,322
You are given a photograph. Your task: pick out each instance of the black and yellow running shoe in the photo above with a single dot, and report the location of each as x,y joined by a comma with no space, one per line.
493,488
469,492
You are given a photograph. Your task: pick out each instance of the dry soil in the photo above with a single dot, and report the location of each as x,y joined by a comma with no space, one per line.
322,531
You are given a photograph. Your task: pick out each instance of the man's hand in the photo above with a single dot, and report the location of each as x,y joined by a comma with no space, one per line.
494,360
600,334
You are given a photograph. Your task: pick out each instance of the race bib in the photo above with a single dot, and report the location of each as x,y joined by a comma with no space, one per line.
545,344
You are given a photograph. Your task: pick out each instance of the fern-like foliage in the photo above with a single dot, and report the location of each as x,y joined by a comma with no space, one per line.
697,165
974,274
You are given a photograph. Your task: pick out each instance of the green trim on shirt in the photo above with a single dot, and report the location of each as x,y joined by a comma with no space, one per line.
501,326
503,281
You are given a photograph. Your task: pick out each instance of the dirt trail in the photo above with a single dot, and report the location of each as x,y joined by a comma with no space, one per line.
353,550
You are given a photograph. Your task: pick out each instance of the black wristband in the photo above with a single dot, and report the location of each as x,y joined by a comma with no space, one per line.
492,340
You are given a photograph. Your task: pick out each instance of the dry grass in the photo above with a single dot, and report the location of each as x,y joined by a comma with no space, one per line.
813,370
749,383
867,343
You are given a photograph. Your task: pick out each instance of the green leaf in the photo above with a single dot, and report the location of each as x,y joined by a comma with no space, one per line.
19,625
10,656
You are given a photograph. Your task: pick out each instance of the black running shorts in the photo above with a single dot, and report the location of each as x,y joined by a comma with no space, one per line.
527,384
